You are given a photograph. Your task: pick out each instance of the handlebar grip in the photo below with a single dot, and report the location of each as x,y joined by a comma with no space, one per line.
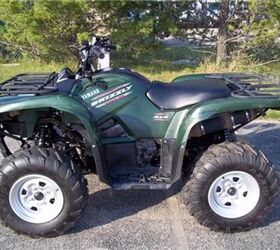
82,48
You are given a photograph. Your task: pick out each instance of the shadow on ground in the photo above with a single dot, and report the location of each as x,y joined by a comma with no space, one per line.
107,205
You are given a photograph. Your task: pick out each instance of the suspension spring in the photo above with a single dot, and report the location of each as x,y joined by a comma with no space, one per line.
229,135
42,136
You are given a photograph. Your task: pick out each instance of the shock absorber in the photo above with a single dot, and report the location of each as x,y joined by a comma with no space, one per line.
42,135
230,135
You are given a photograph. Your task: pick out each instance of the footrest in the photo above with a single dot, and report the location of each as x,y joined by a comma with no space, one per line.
136,185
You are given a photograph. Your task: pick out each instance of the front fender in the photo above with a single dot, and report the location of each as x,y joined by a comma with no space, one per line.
59,102
65,104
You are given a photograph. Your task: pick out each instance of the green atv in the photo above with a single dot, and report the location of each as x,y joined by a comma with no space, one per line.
133,134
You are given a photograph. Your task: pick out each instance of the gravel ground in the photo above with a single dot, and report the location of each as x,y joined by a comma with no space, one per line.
150,220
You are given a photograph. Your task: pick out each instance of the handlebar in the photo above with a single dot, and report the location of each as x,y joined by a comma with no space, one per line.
88,51
95,50
106,43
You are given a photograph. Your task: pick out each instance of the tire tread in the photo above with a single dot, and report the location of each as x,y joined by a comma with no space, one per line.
209,161
64,167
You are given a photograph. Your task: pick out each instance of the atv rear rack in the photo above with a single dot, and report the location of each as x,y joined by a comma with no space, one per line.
37,84
251,85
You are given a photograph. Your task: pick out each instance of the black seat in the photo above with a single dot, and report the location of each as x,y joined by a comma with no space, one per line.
189,92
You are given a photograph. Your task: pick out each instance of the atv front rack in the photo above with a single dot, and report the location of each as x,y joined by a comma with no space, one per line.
37,84
250,84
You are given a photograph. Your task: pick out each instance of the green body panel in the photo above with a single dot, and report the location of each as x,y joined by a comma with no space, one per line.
121,95
59,102
212,108
134,111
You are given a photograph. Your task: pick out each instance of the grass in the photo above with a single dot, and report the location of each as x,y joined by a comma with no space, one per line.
7,71
159,66
272,115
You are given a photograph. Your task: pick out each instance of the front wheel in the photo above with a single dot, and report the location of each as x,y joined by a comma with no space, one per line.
231,188
41,192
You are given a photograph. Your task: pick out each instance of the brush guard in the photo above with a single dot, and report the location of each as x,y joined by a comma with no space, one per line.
246,85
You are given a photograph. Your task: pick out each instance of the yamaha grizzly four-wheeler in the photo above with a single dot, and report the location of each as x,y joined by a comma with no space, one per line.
134,134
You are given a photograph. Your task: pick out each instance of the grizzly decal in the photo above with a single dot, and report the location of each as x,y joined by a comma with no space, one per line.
113,95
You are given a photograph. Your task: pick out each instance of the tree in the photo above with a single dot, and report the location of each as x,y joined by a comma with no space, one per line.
221,23
53,29
222,36
136,25
47,29
265,31
43,28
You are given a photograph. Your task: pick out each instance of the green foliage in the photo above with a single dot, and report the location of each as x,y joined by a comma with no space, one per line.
137,35
265,44
83,36
46,29
135,38
52,29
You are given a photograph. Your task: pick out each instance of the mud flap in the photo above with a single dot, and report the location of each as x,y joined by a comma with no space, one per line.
166,157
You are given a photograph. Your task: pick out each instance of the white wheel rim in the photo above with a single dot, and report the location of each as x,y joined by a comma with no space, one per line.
36,199
234,194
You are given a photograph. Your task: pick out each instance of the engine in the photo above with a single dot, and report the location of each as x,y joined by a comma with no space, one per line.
147,152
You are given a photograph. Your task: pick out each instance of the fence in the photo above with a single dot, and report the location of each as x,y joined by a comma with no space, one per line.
8,54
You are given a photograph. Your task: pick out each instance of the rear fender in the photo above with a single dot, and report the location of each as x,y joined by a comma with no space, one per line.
208,110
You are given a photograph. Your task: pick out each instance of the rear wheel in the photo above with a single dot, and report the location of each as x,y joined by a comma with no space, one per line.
41,192
231,188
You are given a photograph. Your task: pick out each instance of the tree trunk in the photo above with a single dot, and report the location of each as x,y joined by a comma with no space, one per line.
222,48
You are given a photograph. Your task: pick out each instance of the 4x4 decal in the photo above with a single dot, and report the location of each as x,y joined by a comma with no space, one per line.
112,96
